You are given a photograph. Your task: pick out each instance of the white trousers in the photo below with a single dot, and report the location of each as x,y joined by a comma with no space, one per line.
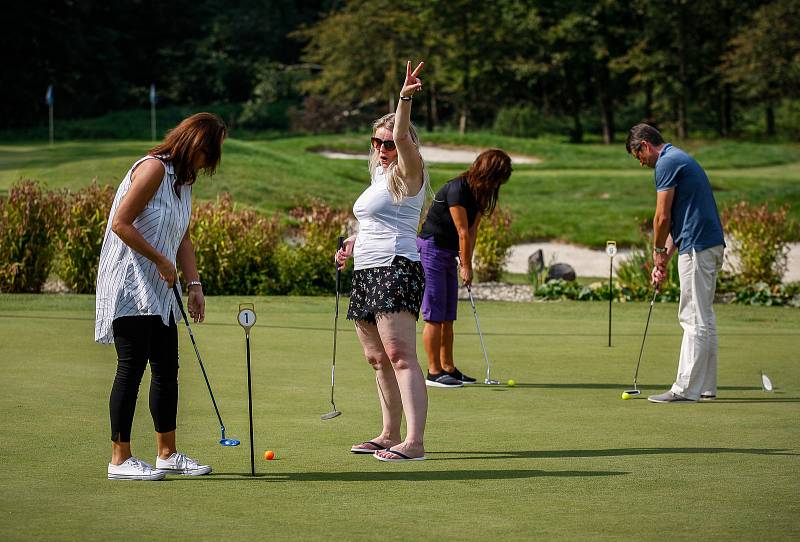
697,368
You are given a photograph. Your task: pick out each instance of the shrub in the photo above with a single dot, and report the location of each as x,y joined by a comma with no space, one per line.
29,220
518,121
306,267
762,293
633,274
759,241
235,248
81,238
495,238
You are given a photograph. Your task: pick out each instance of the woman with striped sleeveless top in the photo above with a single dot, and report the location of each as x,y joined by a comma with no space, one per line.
147,234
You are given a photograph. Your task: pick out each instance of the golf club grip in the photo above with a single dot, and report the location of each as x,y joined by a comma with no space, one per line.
338,271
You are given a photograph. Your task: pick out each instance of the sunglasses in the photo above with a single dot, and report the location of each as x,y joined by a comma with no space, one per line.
387,144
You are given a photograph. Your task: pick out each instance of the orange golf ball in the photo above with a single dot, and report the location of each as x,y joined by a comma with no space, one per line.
269,454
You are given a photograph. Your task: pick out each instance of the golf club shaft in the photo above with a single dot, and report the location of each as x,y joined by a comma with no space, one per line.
647,325
610,295
250,407
336,323
480,335
197,352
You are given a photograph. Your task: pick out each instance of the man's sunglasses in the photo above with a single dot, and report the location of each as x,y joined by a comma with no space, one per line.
387,144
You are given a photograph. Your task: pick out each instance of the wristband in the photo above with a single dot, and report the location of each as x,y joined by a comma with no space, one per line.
661,250
194,283
406,98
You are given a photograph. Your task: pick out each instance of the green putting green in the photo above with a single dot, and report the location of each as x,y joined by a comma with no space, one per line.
558,456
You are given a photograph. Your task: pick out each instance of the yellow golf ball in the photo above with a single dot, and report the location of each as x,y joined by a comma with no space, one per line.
626,395
511,383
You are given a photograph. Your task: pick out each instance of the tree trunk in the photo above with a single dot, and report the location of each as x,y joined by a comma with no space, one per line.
606,106
429,110
465,90
683,83
648,103
725,117
770,120
574,106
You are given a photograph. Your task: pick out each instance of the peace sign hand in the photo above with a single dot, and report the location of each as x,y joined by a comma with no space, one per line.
412,83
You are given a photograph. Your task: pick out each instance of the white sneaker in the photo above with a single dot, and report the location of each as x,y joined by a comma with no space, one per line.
179,463
133,469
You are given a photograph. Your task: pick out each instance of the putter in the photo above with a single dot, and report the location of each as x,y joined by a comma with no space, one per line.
635,390
223,440
334,413
488,380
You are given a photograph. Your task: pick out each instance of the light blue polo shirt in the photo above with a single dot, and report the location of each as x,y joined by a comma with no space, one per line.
695,219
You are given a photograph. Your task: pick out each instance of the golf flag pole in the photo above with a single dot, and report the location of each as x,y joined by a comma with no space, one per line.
48,98
611,250
153,111
247,319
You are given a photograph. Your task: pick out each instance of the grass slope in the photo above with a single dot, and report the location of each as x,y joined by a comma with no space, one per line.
558,456
583,194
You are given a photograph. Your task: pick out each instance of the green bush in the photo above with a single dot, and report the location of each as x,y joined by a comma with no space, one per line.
762,293
235,248
518,121
306,266
81,237
29,219
759,241
495,238
634,273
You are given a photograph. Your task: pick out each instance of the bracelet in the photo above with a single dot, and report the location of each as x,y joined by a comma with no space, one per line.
406,98
194,283
662,250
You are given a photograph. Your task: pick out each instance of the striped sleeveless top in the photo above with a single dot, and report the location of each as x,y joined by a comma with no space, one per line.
128,284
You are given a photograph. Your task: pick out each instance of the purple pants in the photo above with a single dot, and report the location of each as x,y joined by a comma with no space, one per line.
440,300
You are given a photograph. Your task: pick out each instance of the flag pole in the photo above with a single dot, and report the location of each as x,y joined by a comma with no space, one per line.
48,98
153,111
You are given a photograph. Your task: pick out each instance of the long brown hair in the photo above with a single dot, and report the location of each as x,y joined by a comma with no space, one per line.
490,169
200,134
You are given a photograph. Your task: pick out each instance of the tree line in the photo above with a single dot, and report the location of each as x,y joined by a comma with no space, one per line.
585,66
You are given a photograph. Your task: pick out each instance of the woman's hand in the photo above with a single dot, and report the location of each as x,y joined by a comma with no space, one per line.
167,271
412,83
466,275
197,303
345,252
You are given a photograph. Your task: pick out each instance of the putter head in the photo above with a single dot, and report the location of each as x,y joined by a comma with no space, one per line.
490,382
330,415
229,442
633,392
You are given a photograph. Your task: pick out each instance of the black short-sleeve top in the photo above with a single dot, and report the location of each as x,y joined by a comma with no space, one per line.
439,222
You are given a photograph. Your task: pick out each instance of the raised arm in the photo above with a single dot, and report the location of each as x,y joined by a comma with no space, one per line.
409,161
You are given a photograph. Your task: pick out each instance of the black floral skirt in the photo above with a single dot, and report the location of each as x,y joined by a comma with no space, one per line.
393,288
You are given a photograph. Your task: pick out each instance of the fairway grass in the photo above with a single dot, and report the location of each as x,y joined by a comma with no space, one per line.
583,194
559,456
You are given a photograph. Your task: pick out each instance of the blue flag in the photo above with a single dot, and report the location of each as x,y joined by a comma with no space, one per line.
48,97
152,94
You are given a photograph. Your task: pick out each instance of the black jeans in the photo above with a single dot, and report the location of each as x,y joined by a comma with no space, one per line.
139,339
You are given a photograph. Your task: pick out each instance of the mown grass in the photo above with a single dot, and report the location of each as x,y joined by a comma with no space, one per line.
584,194
559,456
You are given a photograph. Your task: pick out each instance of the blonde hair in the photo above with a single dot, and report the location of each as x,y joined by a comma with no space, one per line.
397,186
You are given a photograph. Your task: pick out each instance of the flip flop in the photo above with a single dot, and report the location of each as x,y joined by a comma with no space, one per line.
400,456
358,448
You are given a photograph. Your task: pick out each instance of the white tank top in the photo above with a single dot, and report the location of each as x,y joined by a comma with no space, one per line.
385,229
128,284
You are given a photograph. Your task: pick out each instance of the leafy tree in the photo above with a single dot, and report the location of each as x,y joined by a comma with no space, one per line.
763,63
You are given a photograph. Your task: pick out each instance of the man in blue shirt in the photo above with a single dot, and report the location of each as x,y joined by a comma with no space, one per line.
686,221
